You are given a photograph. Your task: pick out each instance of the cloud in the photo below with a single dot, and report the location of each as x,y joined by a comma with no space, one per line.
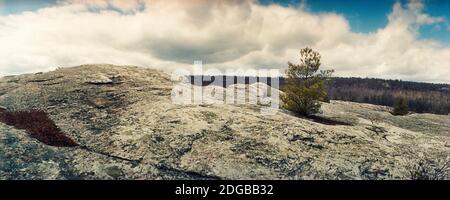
413,14
225,34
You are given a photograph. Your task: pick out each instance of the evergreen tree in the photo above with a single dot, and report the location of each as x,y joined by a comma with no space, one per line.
305,84
401,107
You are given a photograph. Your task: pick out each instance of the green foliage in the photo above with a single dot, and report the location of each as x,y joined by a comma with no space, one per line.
400,107
305,84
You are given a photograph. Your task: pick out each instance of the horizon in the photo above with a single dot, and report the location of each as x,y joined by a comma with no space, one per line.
408,40
281,76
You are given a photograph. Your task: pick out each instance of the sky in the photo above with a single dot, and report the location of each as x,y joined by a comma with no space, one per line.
394,39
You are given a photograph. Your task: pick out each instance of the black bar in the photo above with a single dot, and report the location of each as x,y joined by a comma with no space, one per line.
280,190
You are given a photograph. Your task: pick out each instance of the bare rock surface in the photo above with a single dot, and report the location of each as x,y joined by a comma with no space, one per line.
125,115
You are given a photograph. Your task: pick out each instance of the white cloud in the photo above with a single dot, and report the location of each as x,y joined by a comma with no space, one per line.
413,14
226,34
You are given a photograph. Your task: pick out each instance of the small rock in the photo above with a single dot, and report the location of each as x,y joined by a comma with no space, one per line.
174,121
114,171
447,144
157,139
294,138
377,129
100,103
99,80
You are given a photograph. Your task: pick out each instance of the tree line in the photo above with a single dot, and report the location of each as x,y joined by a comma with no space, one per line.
305,86
420,97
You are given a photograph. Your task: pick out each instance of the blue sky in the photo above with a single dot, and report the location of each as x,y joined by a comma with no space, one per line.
369,15
364,15
17,6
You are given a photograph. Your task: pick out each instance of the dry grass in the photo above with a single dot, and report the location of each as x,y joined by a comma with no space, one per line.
428,169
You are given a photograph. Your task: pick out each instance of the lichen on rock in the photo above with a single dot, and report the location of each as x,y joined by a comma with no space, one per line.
127,112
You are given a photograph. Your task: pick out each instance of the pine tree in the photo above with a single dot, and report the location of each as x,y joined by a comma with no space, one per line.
305,84
401,107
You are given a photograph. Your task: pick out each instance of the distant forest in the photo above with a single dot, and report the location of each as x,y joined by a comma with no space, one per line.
421,97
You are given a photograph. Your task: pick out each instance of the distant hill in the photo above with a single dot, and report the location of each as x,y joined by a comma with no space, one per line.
422,97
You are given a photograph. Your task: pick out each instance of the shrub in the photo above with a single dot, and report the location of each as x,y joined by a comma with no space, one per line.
305,84
400,107
38,125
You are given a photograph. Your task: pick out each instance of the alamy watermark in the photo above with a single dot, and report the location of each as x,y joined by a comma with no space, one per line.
261,87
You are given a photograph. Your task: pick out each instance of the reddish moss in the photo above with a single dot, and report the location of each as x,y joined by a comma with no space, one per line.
38,125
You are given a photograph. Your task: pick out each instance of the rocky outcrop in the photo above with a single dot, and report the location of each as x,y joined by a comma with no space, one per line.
124,117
